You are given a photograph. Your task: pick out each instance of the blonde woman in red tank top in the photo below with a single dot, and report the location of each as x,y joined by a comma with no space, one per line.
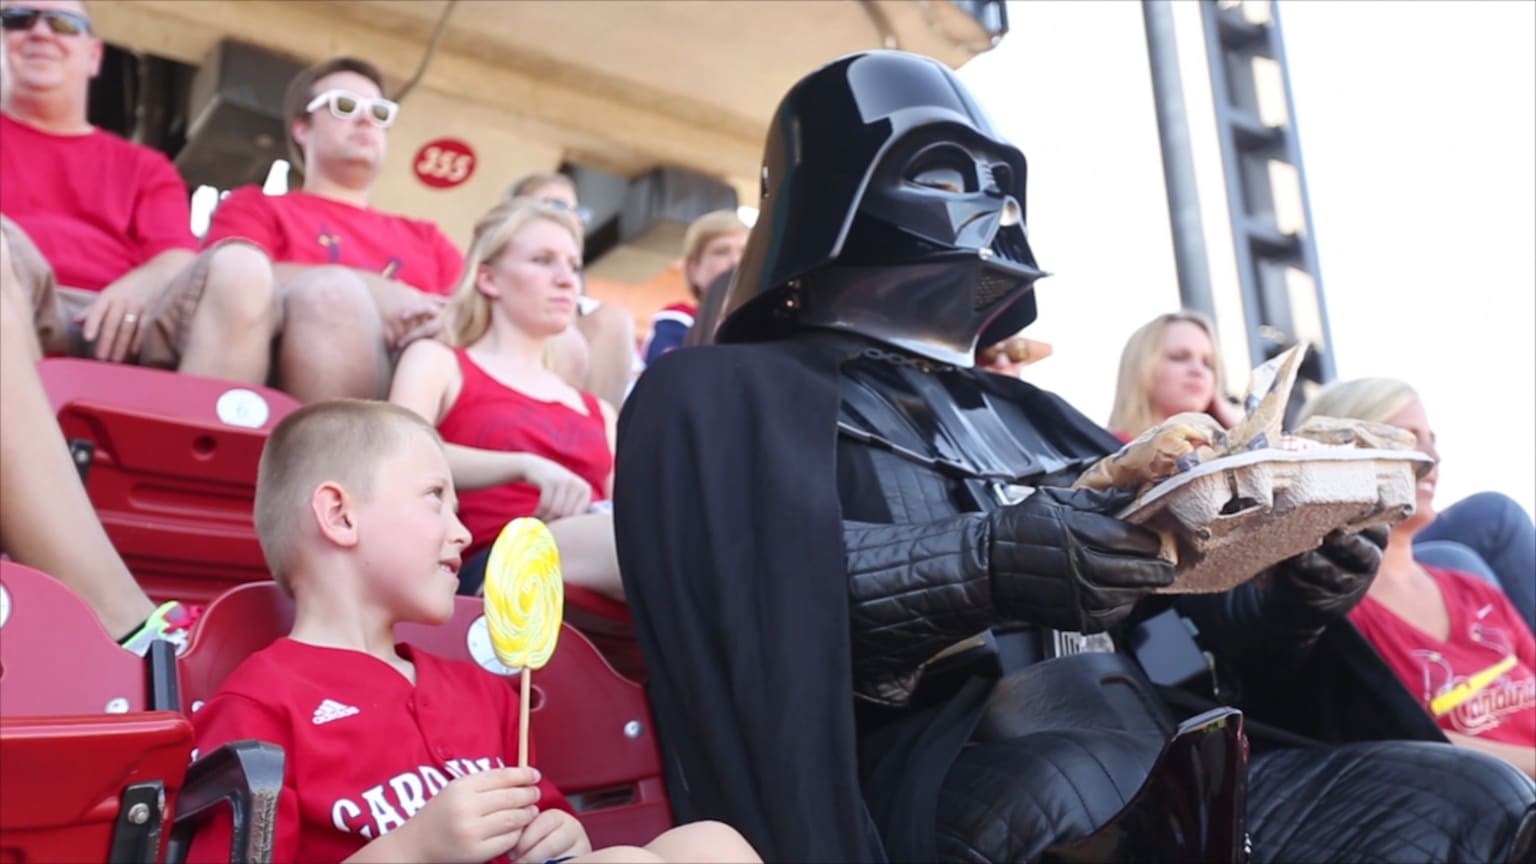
520,440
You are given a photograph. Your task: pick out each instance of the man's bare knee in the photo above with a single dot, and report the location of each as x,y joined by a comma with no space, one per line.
331,294
10,280
241,287
332,342
17,326
15,323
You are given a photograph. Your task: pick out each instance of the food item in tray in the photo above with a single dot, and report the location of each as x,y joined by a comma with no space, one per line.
1348,432
1177,444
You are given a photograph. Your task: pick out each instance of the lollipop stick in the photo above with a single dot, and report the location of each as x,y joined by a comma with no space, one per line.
522,719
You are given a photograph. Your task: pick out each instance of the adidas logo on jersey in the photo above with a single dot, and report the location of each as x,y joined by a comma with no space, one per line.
330,710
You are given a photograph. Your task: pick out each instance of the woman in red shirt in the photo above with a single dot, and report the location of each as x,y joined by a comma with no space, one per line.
520,441
1456,641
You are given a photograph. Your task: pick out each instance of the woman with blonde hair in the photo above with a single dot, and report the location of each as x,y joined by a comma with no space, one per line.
520,440
1169,366
598,354
1455,641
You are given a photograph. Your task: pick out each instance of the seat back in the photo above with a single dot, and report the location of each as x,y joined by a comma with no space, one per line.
591,725
55,657
608,626
240,622
170,465
246,776
92,788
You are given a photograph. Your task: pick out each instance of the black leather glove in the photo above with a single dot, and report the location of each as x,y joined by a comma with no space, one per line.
1058,560
1327,582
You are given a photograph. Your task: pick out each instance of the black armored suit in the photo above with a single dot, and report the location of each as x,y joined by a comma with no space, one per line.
867,601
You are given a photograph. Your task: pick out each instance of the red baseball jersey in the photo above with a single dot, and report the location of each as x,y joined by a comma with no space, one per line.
300,228
365,750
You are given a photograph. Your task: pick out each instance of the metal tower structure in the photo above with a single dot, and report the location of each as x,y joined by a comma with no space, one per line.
1276,253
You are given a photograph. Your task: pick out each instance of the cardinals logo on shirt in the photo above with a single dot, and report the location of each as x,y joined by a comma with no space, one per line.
1477,701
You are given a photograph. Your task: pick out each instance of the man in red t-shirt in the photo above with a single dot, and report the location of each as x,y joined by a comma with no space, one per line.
98,229
356,285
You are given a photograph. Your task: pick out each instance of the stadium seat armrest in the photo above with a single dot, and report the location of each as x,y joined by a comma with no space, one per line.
164,681
246,774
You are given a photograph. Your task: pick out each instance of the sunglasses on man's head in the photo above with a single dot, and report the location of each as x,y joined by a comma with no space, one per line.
582,214
345,105
59,21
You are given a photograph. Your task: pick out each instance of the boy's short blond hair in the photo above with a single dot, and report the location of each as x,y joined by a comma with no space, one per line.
706,228
341,441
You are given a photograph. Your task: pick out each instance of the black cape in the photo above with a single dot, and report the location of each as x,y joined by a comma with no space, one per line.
729,536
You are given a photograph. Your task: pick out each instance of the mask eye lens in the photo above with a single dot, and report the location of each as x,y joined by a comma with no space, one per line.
941,179
1002,177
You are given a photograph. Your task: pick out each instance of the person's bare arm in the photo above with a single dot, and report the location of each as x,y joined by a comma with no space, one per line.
1523,758
107,321
611,426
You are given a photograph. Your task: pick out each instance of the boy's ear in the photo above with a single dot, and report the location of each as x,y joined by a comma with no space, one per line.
332,507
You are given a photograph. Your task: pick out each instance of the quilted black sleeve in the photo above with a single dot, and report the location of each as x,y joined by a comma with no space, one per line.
916,589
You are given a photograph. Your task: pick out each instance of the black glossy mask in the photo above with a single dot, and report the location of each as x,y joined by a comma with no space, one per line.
885,184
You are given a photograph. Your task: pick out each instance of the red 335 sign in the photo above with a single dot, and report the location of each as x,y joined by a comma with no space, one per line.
444,163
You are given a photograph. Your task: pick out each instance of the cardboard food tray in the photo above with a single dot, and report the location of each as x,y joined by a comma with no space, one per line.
1227,521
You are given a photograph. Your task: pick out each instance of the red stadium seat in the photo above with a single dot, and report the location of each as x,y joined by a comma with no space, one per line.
55,658
86,773
593,727
240,622
170,464
608,626
89,788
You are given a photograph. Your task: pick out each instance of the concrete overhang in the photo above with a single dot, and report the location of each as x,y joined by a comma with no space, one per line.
622,86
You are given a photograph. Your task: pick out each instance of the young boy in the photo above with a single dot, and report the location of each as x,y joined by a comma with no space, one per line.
392,754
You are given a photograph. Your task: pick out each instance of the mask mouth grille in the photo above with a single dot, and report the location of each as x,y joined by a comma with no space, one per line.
992,287
1010,245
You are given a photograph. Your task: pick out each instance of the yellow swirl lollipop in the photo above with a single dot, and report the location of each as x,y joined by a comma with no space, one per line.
524,600
524,596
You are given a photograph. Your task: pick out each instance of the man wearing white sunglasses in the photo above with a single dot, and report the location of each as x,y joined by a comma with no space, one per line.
355,285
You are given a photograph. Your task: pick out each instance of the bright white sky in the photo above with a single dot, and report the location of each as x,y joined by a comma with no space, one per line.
1418,134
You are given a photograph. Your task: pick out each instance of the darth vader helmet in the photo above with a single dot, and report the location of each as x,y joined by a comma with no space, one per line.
890,208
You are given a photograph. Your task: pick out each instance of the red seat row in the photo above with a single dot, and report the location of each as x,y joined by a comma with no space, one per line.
169,462
95,742
94,749
81,747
